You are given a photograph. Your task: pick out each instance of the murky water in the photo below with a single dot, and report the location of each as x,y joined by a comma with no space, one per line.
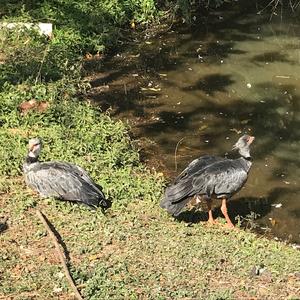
234,72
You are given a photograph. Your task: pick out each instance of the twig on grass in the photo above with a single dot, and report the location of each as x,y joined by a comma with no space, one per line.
60,254
41,65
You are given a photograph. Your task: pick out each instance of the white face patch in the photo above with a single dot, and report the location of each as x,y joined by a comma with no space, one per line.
31,154
35,150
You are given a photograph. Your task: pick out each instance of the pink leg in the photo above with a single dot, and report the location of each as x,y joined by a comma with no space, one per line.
211,220
224,212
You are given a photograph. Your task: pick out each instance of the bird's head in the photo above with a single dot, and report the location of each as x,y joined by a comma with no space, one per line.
35,147
243,145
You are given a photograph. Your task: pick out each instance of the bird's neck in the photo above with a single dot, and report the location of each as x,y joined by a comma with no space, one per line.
31,159
248,158
247,162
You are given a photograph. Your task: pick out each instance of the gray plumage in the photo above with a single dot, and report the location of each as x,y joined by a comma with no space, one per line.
209,176
61,180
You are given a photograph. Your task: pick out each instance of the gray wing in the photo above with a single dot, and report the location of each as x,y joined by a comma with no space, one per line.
197,165
182,185
64,181
223,178
177,194
86,177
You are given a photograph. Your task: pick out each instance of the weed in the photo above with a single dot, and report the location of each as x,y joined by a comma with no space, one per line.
248,221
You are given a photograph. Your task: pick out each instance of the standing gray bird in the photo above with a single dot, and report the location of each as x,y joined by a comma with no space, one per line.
60,180
210,177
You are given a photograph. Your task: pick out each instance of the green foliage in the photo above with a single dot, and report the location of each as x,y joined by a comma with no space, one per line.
27,58
30,57
79,27
49,70
94,141
101,286
87,25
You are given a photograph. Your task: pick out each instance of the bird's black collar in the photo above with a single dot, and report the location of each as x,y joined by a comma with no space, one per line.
31,160
249,158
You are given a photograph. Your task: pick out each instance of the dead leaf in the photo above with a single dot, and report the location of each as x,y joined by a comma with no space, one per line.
88,56
95,256
43,106
235,130
32,104
132,24
17,131
273,221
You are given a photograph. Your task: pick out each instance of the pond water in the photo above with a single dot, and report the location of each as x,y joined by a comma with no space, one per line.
233,72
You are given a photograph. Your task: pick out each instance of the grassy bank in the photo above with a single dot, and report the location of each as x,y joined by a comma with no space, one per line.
134,250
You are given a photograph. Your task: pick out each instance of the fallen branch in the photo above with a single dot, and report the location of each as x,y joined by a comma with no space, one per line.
60,254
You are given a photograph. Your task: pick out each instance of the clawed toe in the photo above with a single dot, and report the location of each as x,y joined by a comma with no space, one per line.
229,226
212,222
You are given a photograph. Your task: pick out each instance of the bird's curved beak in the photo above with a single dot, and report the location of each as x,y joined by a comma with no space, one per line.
250,140
32,146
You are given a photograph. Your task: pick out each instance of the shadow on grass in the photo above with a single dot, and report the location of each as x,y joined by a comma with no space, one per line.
241,207
60,241
3,226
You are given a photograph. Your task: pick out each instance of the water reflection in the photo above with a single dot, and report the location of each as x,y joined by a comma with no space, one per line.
236,72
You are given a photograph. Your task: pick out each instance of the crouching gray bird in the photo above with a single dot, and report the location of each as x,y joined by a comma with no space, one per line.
61,180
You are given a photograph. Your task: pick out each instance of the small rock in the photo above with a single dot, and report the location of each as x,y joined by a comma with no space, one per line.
57,290
262,272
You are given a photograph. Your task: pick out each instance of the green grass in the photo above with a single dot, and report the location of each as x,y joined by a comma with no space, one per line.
84,26
77,132
135,252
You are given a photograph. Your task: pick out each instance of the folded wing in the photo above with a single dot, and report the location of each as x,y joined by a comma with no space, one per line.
65,181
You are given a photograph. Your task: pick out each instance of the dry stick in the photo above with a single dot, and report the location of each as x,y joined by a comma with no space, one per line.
177,145
175,154
41,65
60,254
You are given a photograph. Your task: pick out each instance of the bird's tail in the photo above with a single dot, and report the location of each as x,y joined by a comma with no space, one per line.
104,203
176,197
97,199
94,203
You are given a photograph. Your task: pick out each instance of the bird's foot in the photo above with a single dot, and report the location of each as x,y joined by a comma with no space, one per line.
229,226
212,222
